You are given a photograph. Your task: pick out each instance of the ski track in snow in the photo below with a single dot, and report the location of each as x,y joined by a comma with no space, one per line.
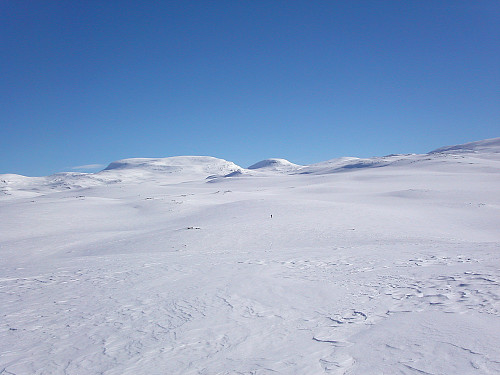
386,270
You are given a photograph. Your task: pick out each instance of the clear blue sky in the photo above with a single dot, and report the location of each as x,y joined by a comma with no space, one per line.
90,82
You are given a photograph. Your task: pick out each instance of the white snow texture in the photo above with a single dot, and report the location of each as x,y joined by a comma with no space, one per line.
194,265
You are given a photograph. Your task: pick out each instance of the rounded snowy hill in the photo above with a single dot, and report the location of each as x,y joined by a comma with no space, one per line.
182,167
275,165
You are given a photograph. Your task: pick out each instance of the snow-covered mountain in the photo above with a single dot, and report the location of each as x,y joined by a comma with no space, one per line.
189,168
172,170
196,166
160,170
194,265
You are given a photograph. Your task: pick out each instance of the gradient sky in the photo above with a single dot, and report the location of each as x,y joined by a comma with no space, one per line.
89,82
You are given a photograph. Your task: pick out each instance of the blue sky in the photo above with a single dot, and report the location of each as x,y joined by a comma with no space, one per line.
89,82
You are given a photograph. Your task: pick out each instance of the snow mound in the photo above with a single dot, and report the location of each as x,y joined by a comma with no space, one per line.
276,165
491,145
186,166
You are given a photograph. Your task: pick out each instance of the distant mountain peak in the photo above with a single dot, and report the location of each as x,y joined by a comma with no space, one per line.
275,164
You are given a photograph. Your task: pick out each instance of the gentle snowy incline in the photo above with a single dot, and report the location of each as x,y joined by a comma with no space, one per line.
486,146
151,268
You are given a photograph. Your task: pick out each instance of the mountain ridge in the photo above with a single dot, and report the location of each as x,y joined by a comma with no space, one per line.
185,168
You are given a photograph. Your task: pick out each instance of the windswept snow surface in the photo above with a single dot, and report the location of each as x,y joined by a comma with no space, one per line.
367,266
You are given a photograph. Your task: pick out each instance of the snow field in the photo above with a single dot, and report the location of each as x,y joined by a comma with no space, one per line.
391,269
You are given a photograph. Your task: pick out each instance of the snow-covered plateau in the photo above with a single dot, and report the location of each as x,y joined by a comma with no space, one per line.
194,265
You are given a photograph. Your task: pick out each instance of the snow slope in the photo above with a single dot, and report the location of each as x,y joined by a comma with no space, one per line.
367,266
486,146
